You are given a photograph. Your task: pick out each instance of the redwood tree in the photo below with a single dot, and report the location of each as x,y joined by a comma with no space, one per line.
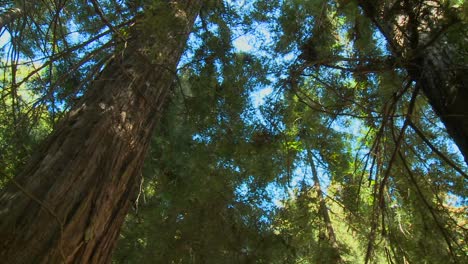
71,199
420,35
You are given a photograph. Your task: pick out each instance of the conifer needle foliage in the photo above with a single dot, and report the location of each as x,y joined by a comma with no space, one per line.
296,131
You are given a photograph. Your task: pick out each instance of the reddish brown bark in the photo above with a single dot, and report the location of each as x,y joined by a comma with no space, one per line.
69,203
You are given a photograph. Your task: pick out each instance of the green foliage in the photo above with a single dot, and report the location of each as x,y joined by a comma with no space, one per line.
19,135
231,180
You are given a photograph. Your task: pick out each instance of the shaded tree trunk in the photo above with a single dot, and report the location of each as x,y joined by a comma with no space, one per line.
323,209
69,203
446,87
416,31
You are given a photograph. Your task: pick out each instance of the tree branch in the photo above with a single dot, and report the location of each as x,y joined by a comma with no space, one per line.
9,16
438,152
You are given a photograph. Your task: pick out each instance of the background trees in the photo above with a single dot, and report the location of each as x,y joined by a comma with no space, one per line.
346,158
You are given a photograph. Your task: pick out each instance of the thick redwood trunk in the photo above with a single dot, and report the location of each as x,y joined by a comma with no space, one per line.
71,200
415,31
446,86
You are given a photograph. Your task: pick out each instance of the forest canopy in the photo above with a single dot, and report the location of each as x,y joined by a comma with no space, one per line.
294,131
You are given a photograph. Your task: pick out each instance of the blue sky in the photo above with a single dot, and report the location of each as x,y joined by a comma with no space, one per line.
251,43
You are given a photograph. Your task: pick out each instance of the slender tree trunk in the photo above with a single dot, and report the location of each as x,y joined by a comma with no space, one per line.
415,31
69,203
323,209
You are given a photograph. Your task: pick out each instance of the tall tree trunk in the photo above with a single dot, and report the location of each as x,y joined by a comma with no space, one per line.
416,32
446,87
323,209
69,203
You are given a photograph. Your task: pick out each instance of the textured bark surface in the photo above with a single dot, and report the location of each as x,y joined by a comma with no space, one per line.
446,87
415,35
69,203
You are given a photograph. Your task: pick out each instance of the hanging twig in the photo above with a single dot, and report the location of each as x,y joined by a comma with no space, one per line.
434,149
397,146
103,18
429,207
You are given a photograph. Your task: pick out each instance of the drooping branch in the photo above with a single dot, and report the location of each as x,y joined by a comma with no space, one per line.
442,230
103,18
430,66
436,150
